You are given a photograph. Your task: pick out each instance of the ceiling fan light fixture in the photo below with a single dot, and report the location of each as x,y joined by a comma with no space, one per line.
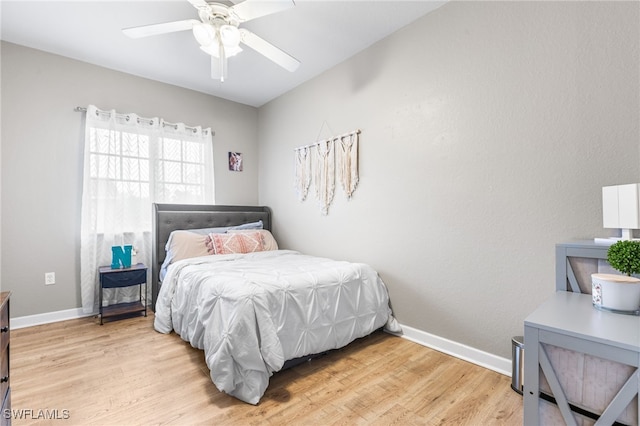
214,50
230,51
204,34
230,36
218,34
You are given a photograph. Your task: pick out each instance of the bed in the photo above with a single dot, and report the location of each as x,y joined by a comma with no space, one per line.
252,307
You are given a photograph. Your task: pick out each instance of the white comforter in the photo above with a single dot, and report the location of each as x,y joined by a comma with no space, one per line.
251,312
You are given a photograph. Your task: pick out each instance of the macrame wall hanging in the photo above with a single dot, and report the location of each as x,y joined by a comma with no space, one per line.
347,151
321,160
302,179
325,179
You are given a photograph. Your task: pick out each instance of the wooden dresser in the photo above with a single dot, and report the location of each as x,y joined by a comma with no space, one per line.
5,390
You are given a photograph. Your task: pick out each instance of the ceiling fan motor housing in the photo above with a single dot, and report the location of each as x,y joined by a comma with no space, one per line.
218,14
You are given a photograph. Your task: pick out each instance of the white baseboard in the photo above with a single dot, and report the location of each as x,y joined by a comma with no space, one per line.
458,350
449,347
49,317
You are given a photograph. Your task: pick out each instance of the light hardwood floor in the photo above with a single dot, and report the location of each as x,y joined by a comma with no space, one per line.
125,373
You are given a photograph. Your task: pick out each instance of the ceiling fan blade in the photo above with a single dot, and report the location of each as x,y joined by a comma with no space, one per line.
252,9
267,49
198,4
155,29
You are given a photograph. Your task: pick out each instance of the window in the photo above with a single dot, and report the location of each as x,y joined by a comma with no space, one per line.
129,172
181,170
130,163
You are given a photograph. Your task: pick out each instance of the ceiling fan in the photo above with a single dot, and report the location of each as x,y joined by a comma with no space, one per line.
219,35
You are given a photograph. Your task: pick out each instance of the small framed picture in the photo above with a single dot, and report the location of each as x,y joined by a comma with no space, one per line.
235,161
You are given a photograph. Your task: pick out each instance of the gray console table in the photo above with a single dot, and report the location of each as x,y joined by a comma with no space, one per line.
575,261
568,320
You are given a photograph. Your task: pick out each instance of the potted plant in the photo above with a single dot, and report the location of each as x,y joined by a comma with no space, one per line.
619,293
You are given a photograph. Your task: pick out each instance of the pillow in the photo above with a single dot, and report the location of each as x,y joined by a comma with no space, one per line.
185,241
189,242
267,238
252,225
189,239
217,230
169,247
186,244
237,242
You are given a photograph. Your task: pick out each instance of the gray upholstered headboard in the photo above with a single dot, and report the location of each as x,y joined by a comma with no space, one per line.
171,217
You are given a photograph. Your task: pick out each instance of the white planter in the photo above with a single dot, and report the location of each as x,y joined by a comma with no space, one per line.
616,292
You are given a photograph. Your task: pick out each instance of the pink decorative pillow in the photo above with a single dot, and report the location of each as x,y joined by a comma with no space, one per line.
245,242
267,238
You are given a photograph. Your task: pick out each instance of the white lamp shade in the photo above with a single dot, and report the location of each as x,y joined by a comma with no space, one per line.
230,36
621,206
204,34
214,50
610,207
232,50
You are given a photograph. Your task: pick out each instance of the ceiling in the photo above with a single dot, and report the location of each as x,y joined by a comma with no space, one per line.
320,34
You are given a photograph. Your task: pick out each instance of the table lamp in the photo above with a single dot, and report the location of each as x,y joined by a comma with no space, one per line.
621,208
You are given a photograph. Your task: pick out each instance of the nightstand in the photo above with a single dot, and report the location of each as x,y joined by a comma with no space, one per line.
570,323
114,278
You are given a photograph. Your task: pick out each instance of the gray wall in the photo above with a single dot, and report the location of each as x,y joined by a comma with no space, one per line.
488,130
42,162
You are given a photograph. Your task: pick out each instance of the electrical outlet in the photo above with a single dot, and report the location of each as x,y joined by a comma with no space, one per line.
49,278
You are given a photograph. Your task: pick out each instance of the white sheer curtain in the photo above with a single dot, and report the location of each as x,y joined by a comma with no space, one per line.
129,163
